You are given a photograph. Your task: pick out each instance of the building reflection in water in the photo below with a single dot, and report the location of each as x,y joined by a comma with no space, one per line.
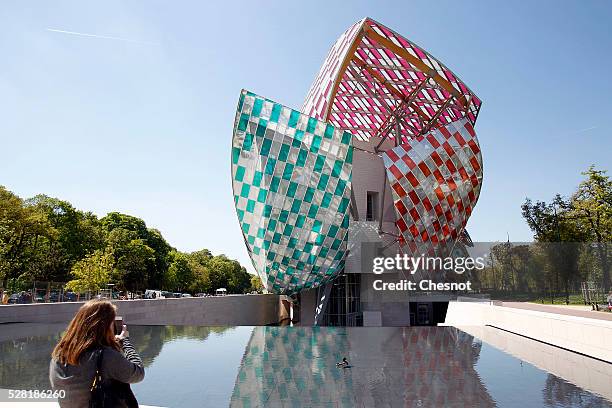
428,366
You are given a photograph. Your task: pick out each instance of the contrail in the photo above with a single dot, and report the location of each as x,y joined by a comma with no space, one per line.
106,37
585,129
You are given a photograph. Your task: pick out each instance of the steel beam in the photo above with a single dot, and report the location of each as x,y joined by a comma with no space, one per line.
434,118
416,62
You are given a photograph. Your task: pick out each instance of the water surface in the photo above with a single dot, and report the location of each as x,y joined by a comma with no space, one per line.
195,366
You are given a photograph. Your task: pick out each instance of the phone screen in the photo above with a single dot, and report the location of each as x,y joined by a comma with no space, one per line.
118,324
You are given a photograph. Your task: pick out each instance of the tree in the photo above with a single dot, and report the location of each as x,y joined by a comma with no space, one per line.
169,281
544,219
161,248
201,257
45,238
256,285
240,280
133,259
592,206
152,238
114,220
20,228
92,272
201,278
132,265
219,272
559,238
502,254
74,235
181,270
229,274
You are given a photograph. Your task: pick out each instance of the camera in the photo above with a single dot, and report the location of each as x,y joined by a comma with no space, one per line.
118,325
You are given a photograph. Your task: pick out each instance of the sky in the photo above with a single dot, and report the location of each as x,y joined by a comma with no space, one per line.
135,113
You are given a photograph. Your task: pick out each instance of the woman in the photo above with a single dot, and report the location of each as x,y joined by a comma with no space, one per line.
88,345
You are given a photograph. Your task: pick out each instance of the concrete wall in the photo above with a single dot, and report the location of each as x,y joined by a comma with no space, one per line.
308,306
368,175
579,334
244,310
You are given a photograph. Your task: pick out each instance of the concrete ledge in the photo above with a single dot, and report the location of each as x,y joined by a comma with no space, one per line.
579,334
238,310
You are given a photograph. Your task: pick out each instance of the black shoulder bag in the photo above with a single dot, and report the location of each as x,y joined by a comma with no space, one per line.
110,393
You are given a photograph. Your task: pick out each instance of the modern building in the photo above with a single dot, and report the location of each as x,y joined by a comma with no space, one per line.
381,159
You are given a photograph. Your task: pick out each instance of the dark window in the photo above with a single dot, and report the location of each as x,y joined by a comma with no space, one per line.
372,206
344,305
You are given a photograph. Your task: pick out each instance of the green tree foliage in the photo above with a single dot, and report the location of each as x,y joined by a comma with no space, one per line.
514,268
201,276
559,237
92,272
47,239
21,227
201,257
72,235
229,274
572,244
181,271
133,265
256,285
152,238
591,206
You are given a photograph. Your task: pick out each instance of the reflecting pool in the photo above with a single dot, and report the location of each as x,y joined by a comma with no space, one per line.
195,366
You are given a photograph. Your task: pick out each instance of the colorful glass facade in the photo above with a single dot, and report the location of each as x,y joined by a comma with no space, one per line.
384,88
373,75
292,171
435,180
291,182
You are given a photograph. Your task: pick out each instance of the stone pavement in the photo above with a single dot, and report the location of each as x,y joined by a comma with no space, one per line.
561,309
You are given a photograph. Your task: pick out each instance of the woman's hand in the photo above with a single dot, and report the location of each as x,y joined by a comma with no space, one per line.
124,333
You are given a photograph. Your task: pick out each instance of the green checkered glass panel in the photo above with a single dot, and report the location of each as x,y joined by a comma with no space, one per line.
291,178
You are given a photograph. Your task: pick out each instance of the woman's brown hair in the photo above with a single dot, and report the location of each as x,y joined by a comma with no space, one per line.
89,329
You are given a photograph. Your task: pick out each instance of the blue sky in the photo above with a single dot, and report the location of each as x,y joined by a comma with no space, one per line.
142,124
